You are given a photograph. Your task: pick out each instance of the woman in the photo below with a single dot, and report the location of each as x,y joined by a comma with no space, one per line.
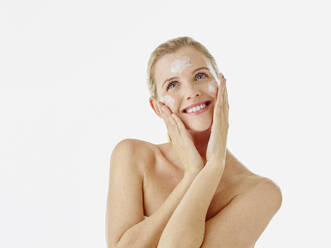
192,190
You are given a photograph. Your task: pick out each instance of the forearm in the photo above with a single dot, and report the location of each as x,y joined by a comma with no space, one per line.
147,233
186,226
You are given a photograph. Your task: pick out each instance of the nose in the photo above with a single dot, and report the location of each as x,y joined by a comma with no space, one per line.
192,92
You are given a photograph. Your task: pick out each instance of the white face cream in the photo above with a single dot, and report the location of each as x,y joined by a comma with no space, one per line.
212,87
212,71
179,64
168,100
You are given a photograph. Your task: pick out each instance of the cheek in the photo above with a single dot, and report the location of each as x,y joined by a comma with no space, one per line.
212,87
212,71
169,101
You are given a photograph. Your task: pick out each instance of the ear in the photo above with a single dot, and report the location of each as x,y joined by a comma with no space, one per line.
152,102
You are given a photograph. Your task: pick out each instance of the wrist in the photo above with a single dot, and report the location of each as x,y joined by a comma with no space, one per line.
191,173
216,161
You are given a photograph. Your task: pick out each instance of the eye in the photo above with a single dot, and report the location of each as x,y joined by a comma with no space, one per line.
171,83
201,73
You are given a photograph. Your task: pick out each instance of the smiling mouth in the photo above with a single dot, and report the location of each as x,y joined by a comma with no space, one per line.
197,109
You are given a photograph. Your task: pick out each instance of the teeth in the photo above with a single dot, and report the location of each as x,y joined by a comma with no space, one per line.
195,109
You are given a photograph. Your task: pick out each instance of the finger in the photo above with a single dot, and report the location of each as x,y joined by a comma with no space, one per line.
226,106
179,123
223,86
162,112
167,115
219,110
158,107
166,107
225,96
219,94
218,104
221,77
173,128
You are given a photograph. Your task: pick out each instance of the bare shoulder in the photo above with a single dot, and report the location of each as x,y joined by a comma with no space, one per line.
246,181
125,206
139,151
270,190
134,145
263,188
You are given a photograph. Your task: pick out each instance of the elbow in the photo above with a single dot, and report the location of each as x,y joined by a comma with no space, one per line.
112,244
188,238
118,245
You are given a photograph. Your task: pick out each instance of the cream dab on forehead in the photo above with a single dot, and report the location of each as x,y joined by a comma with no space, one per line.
179,64
212,71
168,100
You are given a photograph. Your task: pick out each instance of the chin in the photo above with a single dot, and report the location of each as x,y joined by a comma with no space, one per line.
200,126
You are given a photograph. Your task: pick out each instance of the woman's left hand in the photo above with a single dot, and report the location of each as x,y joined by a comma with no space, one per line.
216,149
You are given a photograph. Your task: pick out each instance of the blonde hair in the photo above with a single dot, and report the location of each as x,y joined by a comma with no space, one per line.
171,46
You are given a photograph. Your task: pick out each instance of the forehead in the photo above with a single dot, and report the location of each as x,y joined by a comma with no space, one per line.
162,69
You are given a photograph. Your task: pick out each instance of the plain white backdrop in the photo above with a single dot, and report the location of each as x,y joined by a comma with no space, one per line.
73,84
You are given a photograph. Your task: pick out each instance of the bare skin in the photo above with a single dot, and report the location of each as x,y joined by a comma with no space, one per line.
162,176
194,140
198,161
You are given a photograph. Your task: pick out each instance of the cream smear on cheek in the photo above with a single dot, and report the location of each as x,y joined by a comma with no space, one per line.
212,88
168,100
212,71
179,64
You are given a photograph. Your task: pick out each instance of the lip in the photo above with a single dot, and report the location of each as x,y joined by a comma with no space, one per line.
197,104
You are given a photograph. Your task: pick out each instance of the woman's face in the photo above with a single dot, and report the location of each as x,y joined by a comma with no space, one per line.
186,78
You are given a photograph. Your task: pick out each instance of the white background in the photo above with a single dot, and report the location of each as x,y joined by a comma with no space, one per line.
73,84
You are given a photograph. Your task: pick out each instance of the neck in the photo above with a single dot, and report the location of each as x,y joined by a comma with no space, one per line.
201,140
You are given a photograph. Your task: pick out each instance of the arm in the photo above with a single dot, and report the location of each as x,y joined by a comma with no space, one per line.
147,233
241,223
125,223
187,224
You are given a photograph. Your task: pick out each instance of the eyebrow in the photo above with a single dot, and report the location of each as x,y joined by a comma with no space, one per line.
203,67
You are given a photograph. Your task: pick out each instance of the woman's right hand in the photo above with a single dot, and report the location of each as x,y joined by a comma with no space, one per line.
182,140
